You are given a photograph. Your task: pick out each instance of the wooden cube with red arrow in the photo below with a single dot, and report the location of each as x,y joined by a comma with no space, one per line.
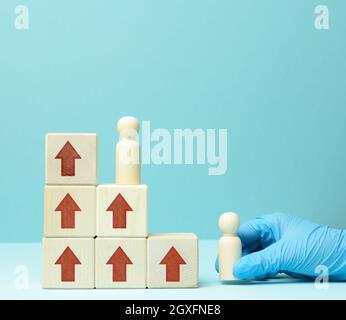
68,263
71,159
172,261
121,263
122,211
69,211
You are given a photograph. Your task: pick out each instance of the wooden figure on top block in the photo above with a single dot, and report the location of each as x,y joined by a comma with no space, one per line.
127,153
230,249
122,207
71,159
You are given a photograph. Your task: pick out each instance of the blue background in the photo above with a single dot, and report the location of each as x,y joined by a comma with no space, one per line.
258,68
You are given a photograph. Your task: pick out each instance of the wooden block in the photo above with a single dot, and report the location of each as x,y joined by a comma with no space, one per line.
120,263
121,211
172,261
71,159
68,263
70,211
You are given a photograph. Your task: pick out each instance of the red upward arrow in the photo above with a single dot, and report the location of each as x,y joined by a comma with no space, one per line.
68,208
68,261
173,260
119,208
119,260
68,156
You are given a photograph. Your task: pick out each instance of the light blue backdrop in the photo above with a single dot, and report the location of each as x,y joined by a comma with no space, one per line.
258,68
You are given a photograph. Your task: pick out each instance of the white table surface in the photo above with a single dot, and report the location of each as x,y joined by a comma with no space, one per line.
29,256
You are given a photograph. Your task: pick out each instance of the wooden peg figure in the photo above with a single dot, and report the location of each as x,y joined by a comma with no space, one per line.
230,249
128,167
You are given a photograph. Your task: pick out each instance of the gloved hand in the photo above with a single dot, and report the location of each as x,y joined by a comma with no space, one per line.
281,243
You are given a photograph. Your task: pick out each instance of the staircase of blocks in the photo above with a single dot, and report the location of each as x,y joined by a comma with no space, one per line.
96,236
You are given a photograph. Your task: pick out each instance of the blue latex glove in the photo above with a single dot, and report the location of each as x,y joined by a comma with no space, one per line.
281,243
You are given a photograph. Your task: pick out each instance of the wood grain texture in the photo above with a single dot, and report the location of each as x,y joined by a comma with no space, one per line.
71,159
68,263
61,215
136,213
172,261
121,263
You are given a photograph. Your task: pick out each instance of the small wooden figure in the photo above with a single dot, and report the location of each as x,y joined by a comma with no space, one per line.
230,249
127,155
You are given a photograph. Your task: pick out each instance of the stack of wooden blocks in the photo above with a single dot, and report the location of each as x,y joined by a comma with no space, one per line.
97,236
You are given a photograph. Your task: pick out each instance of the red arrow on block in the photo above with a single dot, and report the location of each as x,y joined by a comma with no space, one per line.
68,261
68,207
119,260
68,156
173,260
119,207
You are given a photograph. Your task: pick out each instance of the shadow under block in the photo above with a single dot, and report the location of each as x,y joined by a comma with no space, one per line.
68,263
172,261
120,263
70,211
121,211
71,159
